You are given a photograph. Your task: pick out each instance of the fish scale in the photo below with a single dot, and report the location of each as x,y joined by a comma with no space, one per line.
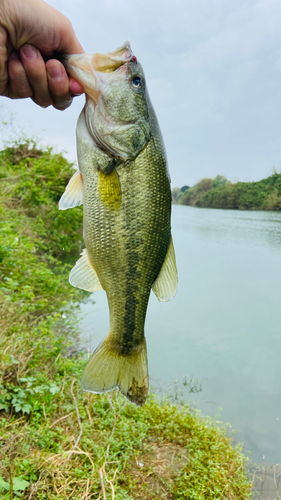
125,188
152,238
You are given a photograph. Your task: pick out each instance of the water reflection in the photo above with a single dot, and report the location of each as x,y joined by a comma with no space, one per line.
223,326
234,226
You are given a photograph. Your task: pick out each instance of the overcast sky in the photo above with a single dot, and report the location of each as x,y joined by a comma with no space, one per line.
213,70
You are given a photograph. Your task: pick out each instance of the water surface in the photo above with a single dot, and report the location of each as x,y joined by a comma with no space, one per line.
224,325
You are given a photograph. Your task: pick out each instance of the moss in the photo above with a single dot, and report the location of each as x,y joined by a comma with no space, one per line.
57,442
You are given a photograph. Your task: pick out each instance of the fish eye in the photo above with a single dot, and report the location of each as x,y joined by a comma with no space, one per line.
137,82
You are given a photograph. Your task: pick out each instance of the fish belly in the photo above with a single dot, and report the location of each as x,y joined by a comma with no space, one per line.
127,234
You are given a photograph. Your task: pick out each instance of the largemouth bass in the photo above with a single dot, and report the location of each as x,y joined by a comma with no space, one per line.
124,186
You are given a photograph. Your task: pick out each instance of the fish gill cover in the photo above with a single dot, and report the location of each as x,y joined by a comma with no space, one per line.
127,229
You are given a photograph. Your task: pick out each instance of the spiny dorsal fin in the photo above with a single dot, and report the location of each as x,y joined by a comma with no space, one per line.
83,275
73,195
166,284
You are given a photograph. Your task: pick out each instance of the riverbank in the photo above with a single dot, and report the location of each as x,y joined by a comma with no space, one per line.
221,193
56,441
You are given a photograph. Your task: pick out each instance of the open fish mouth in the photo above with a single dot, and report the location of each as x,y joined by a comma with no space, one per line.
113,60
105,63
87,69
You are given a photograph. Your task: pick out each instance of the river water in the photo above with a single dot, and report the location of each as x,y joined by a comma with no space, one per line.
224,325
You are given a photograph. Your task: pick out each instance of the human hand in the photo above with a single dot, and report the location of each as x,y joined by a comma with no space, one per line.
30,31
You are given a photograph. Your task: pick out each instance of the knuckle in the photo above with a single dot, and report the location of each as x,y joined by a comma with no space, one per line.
26,94
68,23
43,103
61,106
22,92
16,69
44,106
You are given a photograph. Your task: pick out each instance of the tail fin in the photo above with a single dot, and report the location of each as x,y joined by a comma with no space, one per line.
107,369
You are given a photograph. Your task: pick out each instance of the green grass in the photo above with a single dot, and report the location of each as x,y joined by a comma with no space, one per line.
57,442
220,193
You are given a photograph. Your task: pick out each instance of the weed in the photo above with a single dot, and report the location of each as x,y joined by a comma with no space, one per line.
57,442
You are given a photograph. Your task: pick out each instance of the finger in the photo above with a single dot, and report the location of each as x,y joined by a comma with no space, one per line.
58,84
75,87
35,69
19,87
3,62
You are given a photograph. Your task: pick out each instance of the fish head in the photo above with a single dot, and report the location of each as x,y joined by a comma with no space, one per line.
86,67
116,111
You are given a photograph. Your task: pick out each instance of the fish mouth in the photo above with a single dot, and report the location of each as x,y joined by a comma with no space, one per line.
106,63
84,67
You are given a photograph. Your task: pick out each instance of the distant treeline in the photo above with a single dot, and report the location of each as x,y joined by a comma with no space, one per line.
221,193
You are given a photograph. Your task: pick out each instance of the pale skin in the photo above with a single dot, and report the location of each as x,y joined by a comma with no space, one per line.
31,33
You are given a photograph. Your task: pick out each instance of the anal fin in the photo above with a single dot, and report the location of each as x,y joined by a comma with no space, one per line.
166,283
83,274
73,195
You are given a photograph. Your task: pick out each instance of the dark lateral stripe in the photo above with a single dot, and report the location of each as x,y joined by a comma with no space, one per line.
131,301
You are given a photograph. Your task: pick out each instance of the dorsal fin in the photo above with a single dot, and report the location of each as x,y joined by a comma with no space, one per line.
83,274
166,283
73,195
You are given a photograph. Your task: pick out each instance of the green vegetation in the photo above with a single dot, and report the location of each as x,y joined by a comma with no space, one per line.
57,442
221,193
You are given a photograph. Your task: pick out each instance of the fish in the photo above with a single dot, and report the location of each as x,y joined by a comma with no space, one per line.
124,185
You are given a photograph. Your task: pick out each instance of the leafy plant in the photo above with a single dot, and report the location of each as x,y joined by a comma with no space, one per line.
18,485
57,442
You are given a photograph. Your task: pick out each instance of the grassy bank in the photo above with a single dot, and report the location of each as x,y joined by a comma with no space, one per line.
221,193
57,442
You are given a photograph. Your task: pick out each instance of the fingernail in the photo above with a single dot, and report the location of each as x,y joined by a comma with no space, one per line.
55,72
30,52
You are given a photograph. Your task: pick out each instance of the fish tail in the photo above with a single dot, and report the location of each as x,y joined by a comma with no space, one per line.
108,368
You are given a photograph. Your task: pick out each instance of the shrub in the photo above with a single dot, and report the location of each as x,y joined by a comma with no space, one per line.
58,442
220,193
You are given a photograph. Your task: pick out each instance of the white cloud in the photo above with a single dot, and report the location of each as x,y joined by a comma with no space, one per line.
213,72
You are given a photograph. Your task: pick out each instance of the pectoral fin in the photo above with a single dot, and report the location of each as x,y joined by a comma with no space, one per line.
73,195
165,286
110,190
83,275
